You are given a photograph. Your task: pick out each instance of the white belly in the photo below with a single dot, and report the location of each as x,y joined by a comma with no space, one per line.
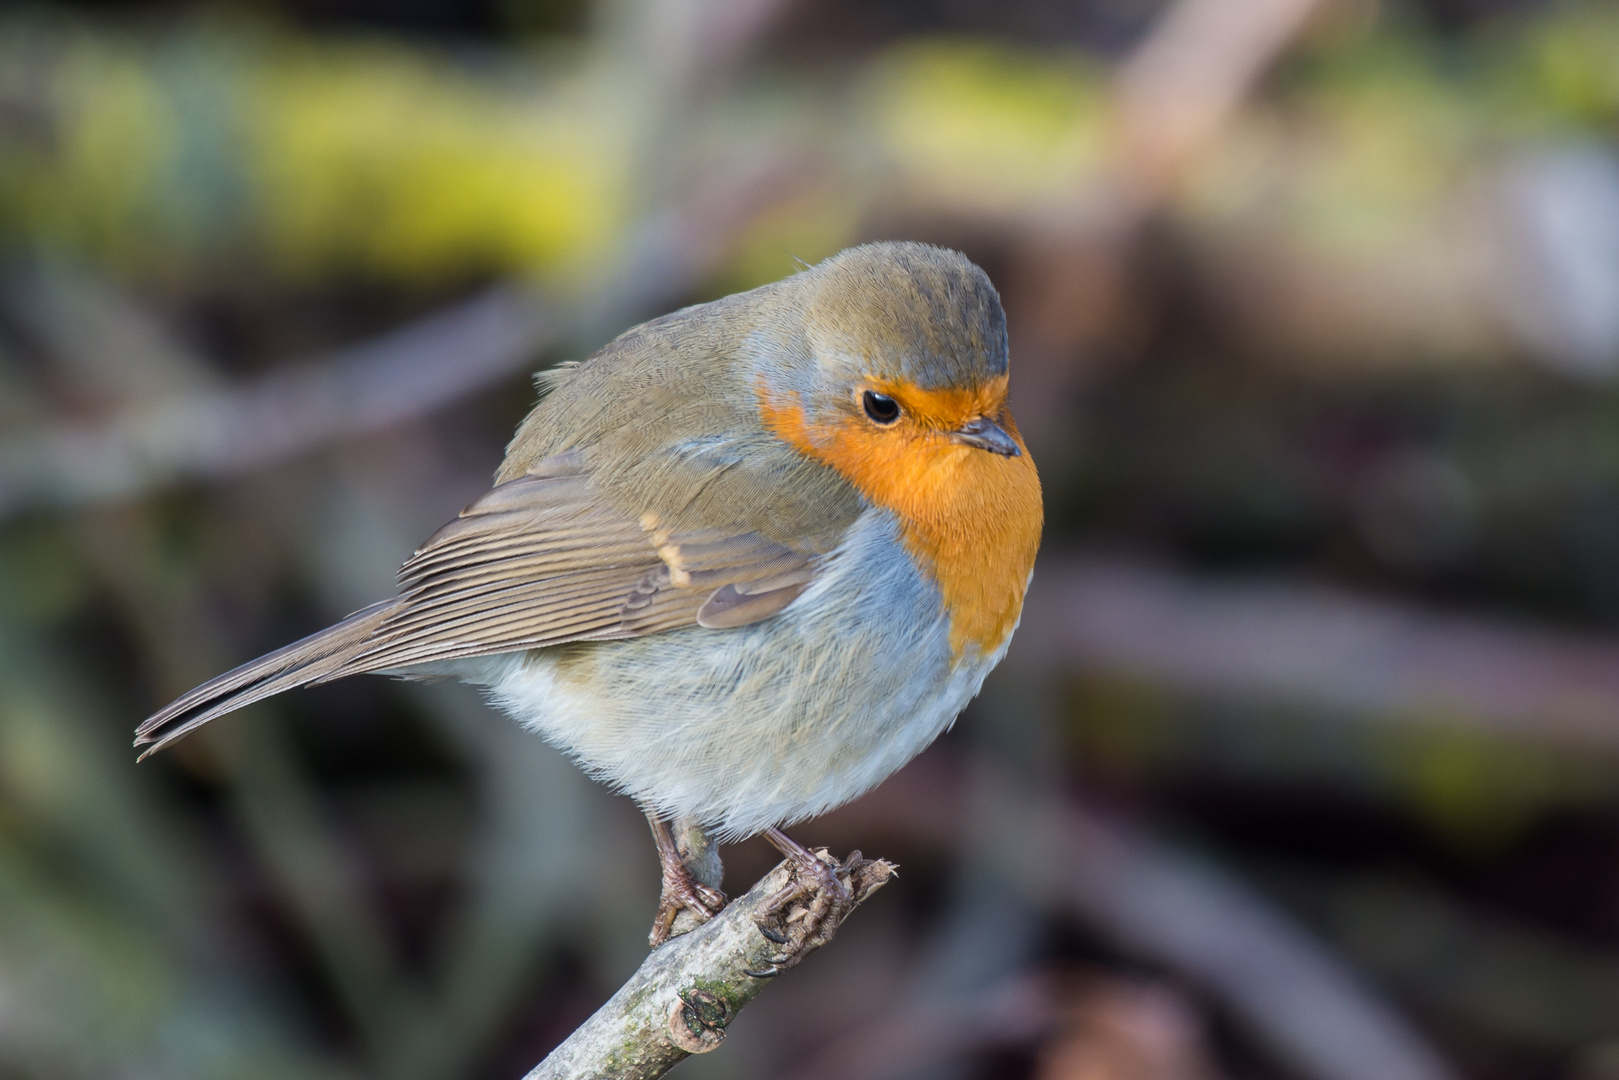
765,724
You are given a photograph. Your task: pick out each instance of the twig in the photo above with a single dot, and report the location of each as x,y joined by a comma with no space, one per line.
682,998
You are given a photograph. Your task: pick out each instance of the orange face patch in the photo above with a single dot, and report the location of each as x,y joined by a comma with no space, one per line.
970,517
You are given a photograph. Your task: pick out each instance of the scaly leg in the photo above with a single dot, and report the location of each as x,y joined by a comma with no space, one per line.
681,889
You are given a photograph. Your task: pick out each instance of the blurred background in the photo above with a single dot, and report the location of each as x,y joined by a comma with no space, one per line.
1305,762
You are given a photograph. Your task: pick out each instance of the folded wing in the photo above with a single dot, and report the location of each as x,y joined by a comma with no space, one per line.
537,561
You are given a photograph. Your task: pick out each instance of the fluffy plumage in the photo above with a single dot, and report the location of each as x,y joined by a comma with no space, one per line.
707,570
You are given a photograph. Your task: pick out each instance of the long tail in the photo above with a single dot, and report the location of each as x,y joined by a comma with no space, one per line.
299,664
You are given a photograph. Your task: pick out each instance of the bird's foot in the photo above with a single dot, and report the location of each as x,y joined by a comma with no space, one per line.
820,892
682,892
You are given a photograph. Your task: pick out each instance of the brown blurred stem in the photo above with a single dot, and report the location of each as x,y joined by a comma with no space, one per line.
288,830
680,1001
226,430
1177,89
1346,657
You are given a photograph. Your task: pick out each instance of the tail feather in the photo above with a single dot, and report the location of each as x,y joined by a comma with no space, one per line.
315,657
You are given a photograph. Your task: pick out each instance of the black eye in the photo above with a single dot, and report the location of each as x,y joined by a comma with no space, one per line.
880,407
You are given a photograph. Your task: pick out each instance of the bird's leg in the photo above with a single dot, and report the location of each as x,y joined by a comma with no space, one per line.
683,891
803,915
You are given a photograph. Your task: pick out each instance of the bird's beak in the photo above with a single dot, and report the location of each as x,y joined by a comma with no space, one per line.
986,434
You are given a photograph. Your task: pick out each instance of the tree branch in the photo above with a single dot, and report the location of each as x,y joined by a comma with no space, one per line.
680,1001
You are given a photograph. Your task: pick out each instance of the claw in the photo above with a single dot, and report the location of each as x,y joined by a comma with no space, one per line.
702,902
804,913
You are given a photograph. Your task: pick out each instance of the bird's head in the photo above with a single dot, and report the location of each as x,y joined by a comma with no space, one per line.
905,389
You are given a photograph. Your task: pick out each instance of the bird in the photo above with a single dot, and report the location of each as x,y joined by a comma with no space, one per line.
741,564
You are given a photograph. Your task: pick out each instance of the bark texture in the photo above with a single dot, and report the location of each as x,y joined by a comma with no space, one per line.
680,1001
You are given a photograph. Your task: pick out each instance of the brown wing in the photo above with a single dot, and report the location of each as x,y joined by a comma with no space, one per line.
541,560
537,561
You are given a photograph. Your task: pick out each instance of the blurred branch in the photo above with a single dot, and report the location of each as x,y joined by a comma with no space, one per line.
923,1036
113,351
544,831
1271,639
1171,96
279,810
1487,969
1312,1010
1181,84
1171,907
682,998
205,433
1072,277
309,864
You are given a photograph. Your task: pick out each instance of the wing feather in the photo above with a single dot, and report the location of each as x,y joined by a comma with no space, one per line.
539,560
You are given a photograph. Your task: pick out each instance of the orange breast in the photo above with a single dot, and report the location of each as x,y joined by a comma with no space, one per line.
971,518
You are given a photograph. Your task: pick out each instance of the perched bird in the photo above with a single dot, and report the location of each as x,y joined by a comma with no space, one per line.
741,564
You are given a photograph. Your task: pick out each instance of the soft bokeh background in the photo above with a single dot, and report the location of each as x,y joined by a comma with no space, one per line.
1305,764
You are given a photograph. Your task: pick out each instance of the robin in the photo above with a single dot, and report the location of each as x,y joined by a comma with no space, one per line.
741,564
